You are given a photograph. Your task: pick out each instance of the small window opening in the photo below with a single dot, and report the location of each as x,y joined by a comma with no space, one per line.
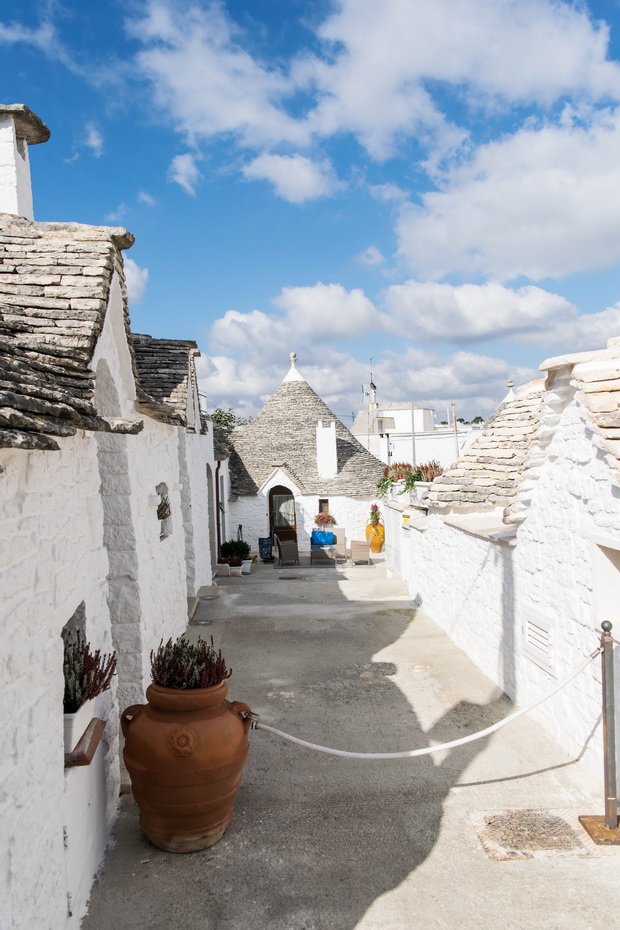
323,504
75,624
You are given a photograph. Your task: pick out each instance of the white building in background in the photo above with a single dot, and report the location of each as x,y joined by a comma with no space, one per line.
405,432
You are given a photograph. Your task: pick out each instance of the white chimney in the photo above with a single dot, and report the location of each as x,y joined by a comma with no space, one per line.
19,128
326,456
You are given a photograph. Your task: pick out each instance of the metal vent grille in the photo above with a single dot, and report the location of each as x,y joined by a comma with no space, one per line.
538,642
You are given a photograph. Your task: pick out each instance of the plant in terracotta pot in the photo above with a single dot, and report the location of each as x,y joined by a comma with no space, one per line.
87,674
185,749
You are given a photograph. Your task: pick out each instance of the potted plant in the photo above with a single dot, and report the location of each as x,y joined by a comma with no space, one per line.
375,531
185,749
86,675
324,519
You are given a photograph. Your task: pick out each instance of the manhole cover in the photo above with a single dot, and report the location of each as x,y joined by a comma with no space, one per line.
529,834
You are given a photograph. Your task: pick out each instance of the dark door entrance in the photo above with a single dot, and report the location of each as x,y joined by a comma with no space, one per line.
282,518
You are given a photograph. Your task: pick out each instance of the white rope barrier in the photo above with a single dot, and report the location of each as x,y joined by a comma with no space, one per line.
427,750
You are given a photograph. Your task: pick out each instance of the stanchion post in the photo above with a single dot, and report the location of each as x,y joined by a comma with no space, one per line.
609,727
604,830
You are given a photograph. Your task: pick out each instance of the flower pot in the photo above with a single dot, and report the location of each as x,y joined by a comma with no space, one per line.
246,567
375,536
76,724
185,751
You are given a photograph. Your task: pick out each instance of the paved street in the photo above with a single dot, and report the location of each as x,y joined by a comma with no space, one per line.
340,658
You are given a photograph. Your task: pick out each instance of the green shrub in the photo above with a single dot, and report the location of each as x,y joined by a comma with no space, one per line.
235,549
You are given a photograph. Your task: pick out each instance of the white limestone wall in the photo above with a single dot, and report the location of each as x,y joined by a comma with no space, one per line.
195,452
147,574
482,592
52,559
253,513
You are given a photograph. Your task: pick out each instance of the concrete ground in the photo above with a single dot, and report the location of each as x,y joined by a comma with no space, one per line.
338,656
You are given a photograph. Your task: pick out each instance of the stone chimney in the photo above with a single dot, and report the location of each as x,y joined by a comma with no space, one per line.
19,128
326,456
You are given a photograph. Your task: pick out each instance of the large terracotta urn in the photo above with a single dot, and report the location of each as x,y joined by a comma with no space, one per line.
375,534
185,751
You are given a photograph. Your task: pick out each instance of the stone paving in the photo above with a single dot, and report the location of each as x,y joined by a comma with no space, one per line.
338,656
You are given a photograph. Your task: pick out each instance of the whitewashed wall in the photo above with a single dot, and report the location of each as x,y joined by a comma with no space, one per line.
195,452
253,513
482,592
52,558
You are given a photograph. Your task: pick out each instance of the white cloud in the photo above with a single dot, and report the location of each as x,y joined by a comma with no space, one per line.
136,279
428,311
540,203
146,198
294,177
326,311
202,76
371,257
93,140
184,171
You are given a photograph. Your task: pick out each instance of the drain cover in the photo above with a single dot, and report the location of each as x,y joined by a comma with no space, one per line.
291,578
529,834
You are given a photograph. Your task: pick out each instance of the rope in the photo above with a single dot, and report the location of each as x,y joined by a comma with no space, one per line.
427,750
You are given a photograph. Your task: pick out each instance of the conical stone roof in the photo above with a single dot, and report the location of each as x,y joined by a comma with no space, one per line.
284,435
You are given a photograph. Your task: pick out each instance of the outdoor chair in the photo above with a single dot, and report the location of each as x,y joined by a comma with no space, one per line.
360,551
287,550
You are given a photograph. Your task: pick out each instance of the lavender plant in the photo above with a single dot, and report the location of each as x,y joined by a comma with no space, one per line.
87,674
182,664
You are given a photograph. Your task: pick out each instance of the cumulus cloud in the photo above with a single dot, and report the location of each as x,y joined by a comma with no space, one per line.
319,315
136,279
540,203
430,311
294,177
184,171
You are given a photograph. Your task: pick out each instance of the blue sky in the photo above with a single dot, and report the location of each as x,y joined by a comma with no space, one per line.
434,185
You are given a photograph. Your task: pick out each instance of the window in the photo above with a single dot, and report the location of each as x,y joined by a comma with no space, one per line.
323,504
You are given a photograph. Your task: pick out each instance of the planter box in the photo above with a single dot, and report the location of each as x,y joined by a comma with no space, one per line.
76,724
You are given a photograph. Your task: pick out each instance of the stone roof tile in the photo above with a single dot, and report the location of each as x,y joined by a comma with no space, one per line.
284,434
49,325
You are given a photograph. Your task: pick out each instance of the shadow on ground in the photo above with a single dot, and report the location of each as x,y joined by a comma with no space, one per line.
316,839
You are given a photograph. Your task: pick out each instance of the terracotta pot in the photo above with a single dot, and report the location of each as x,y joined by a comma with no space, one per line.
185,751
375,536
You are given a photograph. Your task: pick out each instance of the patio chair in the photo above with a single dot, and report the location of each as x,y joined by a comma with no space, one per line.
360,551
287,550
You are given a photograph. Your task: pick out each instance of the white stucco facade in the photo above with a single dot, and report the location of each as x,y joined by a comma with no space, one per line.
556,574
80,538
252,512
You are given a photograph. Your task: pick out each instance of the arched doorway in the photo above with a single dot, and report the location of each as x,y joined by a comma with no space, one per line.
282,517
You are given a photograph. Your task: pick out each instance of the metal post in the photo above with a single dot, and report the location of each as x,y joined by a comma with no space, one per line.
609,727
604,830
